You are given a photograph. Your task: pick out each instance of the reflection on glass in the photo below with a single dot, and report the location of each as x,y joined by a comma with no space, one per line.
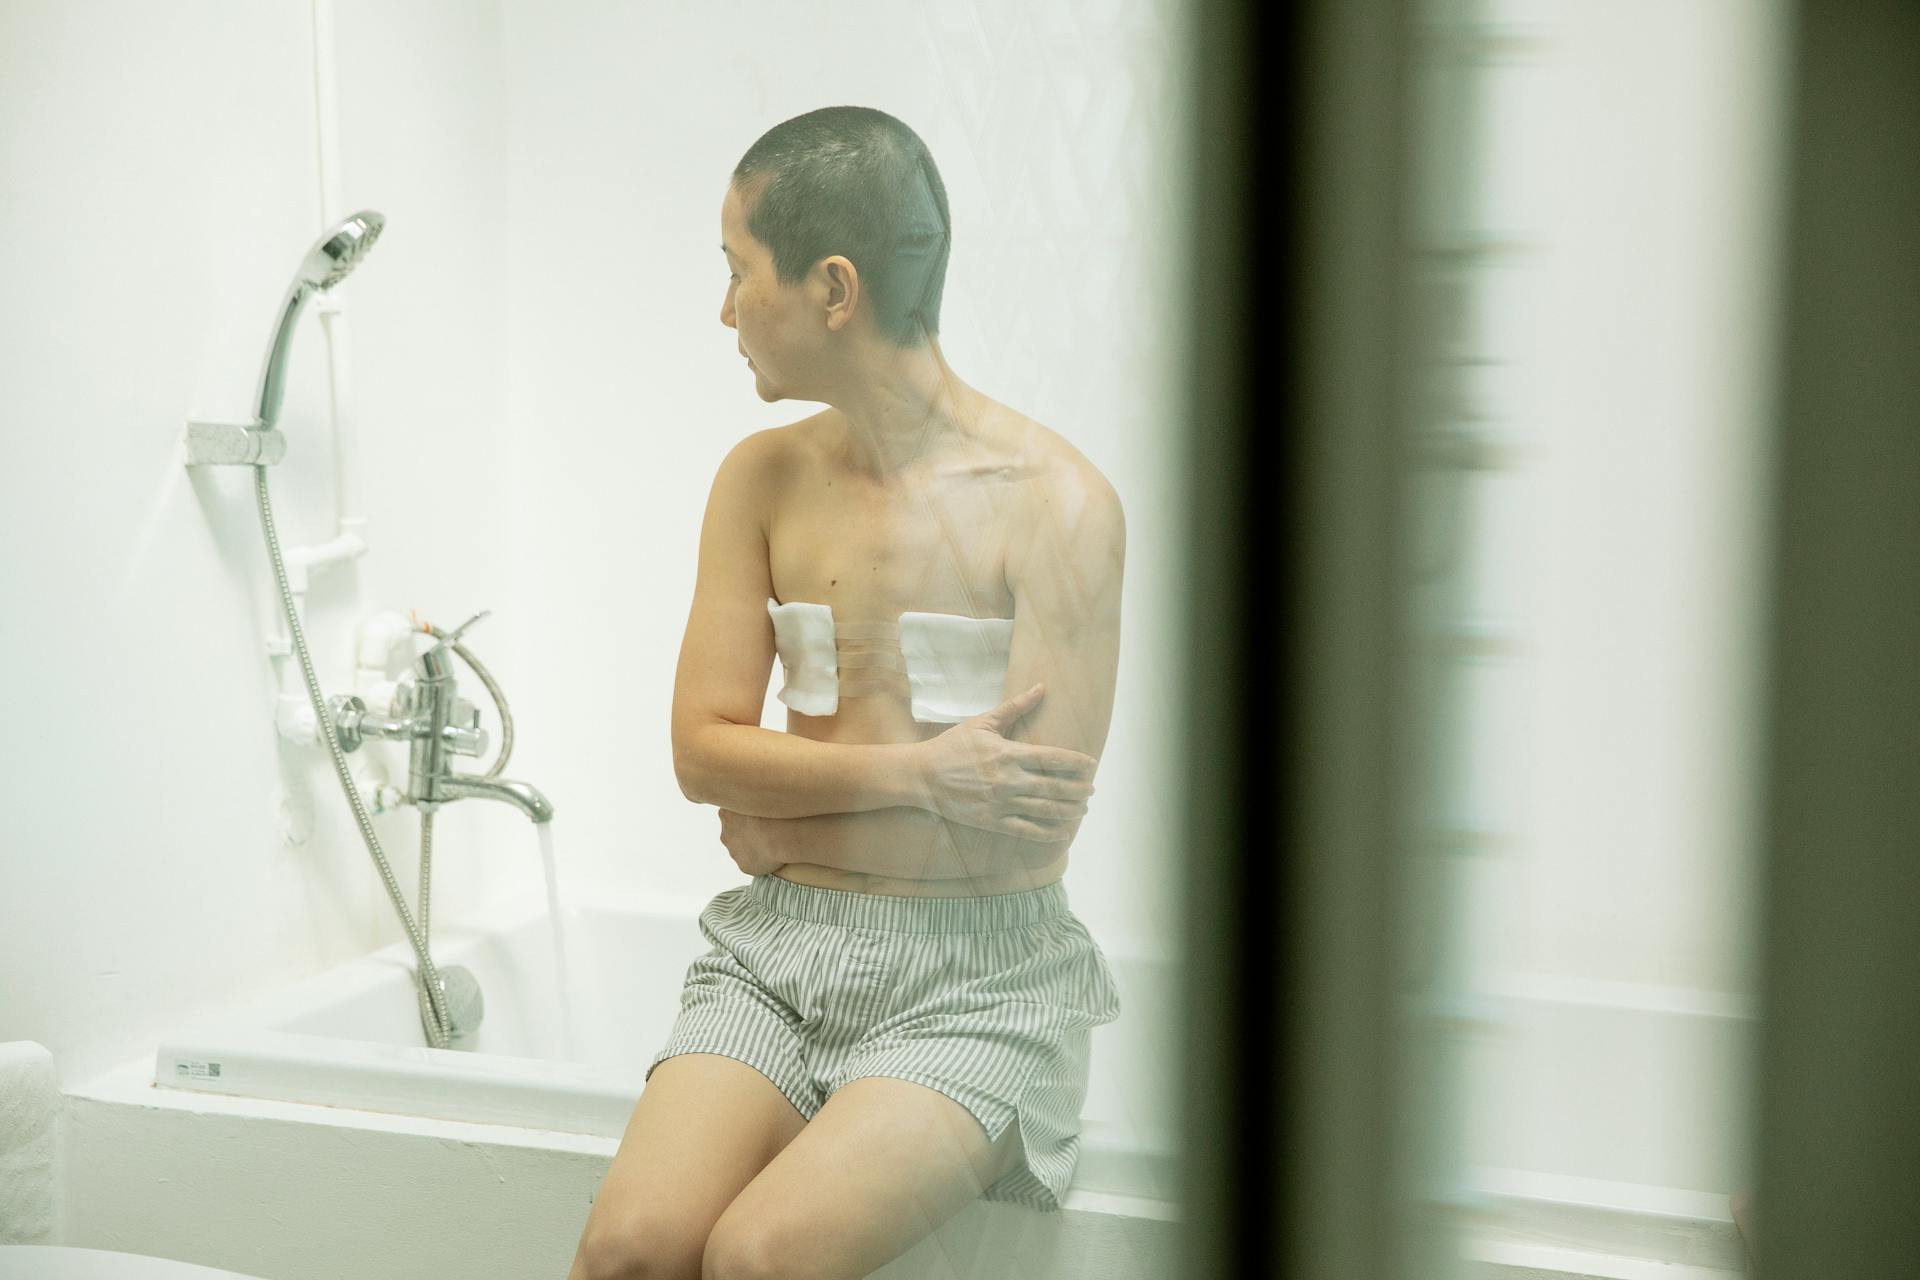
894,1017
1591,218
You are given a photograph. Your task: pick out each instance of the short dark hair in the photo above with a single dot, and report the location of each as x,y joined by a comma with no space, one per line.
857,182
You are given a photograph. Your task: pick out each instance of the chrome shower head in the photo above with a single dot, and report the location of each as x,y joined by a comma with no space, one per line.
339,251
332,258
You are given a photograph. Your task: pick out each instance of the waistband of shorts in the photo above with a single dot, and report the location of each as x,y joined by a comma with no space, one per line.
978,913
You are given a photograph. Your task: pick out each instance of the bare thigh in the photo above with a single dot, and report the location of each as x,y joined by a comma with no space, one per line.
704,1127
882,1165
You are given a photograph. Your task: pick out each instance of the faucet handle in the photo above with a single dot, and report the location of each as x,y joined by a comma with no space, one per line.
460,630
444,637
464,741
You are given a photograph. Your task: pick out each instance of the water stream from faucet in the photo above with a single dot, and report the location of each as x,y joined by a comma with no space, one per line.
562,970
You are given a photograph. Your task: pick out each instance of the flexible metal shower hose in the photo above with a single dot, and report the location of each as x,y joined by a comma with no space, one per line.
417,935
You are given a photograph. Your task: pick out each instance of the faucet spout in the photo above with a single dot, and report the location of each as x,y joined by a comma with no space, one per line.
524,796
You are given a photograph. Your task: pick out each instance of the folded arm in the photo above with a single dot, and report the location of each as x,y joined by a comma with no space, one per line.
721,755
1064,568
769,774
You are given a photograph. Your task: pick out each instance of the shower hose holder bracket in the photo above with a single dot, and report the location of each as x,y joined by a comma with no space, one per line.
233,444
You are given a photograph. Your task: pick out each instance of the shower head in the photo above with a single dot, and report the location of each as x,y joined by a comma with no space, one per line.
338,252
332,258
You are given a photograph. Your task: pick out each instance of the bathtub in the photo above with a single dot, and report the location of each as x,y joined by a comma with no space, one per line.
311,1135
345,1048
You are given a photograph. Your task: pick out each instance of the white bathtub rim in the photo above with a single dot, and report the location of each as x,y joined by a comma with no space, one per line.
131,1084
1513,1204
1116,1155
450,943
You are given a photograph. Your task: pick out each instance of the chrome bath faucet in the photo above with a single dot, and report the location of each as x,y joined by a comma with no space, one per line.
429,714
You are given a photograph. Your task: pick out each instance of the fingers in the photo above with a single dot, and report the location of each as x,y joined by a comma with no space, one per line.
1049,789
1003,716
1037,809
1060,760
1053,786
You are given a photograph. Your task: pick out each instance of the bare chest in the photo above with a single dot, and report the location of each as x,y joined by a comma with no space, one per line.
873,552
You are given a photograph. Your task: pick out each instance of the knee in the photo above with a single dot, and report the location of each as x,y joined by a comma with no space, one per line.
635,1253
738,1251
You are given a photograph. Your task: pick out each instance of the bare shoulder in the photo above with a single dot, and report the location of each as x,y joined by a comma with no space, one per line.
762,459
1067,490
1071,506
775,444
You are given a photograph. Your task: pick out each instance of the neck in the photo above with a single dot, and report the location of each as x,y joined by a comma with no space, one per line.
905,408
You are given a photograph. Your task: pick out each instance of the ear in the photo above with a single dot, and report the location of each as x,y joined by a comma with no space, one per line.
840,291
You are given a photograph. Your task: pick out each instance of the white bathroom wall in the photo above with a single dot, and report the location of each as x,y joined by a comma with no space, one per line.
1051,125
422,114
542,392
158,187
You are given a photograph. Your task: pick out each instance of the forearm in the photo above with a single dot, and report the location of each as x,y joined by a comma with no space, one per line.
907,844
769,774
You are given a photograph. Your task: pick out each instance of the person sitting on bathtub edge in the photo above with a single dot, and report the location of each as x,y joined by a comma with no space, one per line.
894,1017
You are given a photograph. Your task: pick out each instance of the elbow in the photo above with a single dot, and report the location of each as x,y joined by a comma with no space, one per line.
692,785
695,767
685,771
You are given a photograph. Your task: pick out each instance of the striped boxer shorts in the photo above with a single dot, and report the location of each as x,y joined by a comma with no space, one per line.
989,999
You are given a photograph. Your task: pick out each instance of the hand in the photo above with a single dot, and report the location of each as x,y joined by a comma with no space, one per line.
974,775
750,842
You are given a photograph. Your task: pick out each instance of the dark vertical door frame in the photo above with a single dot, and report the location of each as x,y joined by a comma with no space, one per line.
1839,1088
1291,779
1294,780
